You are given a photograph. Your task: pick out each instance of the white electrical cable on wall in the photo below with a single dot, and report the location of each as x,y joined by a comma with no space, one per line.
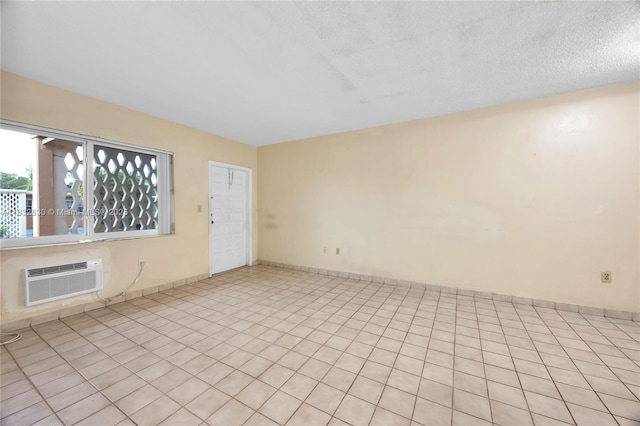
15,338
135,280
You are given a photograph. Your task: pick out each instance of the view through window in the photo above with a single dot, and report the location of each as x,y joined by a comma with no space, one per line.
47,190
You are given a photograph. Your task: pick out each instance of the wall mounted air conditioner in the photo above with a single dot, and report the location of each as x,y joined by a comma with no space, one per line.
48,283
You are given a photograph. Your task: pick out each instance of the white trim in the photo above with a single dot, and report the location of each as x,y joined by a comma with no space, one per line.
84,241
87,221
249,208
163,172
65,240
18,243
16,191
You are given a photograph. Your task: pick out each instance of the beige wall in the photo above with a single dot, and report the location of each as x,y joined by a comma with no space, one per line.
531,199
168,258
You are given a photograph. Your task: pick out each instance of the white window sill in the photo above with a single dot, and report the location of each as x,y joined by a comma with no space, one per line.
75,241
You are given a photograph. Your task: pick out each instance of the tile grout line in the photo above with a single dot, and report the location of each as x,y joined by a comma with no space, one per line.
398,354
342,352
589,383
288,350
453,365
34,387
484,369
84,377
296,371
524,396
546,367
424,361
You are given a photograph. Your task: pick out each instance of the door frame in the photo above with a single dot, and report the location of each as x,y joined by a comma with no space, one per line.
249,204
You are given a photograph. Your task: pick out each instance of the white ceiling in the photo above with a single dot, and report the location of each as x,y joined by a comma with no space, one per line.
263,73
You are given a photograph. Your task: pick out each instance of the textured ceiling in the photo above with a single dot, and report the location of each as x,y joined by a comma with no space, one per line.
263,73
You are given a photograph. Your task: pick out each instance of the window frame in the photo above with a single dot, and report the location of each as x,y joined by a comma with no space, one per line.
164,188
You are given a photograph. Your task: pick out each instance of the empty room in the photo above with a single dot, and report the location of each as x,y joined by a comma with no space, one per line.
320,213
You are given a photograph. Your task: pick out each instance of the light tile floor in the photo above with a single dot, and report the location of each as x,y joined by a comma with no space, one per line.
264,346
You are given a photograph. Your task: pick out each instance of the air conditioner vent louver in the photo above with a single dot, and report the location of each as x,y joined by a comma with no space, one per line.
38,272
48,283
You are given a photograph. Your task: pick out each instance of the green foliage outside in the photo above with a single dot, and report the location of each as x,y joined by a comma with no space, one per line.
17,182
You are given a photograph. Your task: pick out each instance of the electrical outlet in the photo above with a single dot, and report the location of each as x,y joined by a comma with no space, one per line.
337,250
605,276
199,208
324,250
141,264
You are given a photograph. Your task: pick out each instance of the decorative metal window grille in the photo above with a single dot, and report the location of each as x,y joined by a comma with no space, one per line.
125,190
12,223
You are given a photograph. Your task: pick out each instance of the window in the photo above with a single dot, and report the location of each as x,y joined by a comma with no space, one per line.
48,177
126,182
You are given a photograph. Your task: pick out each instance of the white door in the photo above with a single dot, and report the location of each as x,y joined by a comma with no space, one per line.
229,219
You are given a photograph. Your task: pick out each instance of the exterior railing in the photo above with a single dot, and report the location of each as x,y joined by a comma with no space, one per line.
13,216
